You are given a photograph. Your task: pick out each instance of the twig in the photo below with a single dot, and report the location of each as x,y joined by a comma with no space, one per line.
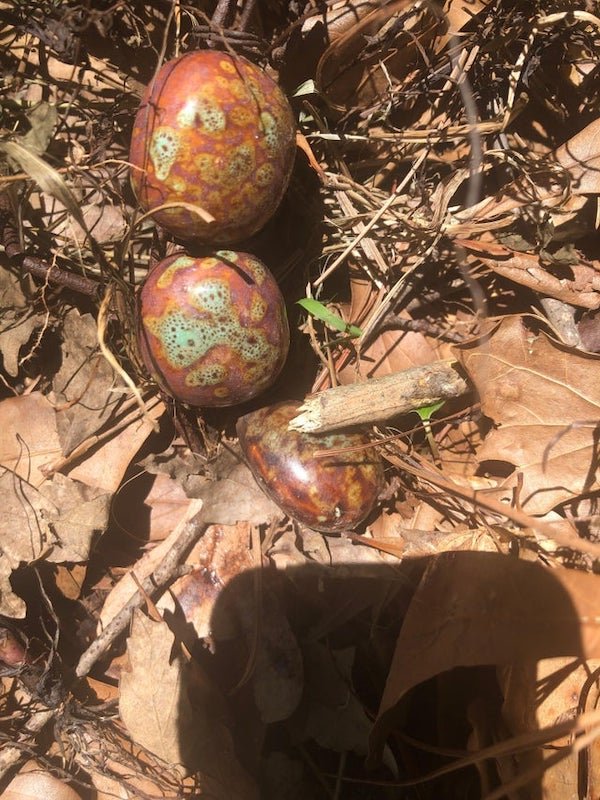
247,11
9,238
379,399
422,326
224,13
168,569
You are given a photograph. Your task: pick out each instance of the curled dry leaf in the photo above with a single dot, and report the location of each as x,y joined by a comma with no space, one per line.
56,522
318,31
577,284
543,398
537,613
340,17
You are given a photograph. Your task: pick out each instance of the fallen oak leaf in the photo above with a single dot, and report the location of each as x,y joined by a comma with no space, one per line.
534,390
537,612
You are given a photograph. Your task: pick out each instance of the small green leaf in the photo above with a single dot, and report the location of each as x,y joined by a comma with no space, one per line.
426,412
320,311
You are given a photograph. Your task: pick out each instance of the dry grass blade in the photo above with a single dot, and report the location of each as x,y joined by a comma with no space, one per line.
47,178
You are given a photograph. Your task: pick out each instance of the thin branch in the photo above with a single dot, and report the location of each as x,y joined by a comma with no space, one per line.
224,13
379,399
37,267
165,572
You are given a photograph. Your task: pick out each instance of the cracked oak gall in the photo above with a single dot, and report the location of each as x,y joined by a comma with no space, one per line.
216,132
328,493
212,331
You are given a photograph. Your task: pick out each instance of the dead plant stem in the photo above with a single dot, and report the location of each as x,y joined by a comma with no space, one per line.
154,584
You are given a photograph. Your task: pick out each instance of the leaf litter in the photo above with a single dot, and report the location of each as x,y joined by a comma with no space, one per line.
443,206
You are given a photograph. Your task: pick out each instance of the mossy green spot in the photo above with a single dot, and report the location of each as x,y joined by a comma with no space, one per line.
211,117
186,338
164,147
270,131
183,340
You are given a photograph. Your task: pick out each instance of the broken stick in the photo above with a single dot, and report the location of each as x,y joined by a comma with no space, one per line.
379,399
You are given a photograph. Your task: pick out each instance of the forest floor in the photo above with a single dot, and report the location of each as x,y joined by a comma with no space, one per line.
166,629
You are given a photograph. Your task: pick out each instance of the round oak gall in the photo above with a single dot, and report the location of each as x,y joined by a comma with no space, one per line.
328,493
214,131
212,331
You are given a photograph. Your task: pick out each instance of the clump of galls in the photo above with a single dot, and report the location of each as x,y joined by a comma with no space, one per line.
212,331
331,492
216,132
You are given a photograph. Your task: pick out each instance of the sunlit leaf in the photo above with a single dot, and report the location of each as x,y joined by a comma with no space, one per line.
320,311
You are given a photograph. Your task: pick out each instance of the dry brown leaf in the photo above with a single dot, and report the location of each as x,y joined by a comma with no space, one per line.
460,13
339,17
29,436
570,689
81,515
126,587
33,782
577,284
236,497
543,398
278,669
101,79
334,717
168,504
86,390
473,609
230,495
153,700
221,555
580,156
18,320
57,523
105,464
42,119
572,171
222,599
157,711
105,222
